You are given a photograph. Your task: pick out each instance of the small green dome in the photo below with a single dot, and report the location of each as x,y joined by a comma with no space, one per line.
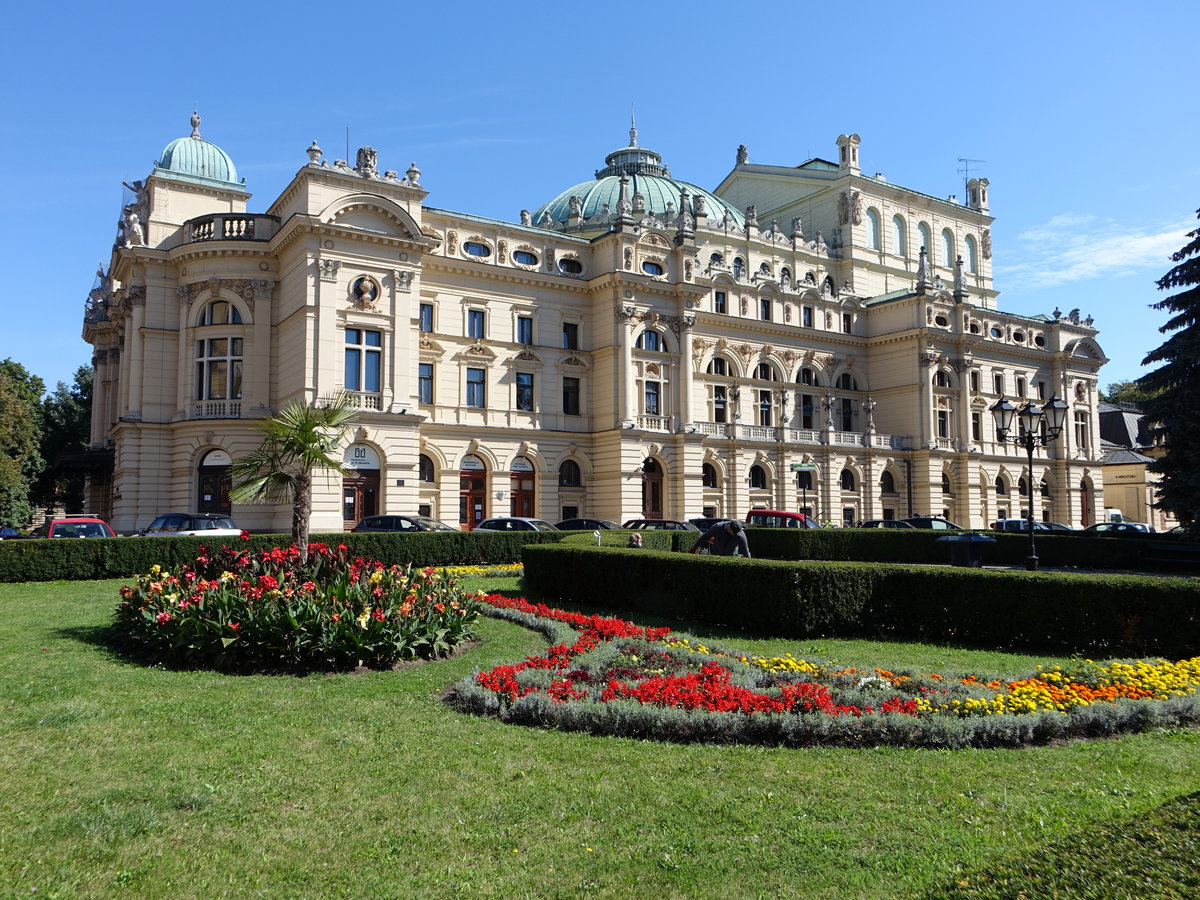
647,176
194,157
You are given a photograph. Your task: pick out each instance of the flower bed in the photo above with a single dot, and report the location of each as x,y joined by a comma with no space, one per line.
609,676
240,611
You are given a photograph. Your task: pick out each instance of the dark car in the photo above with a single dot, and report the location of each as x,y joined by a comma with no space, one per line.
514,523
884,523
401,523
73,527
10,534
706,522
191,525
1117,529
937,523
586,525
659,524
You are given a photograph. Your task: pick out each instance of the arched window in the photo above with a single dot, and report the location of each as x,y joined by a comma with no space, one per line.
738,266
887,483
708,475
1045,488
1001,486
764,270
847,480
1022,486
807,376
569,474
940,379
972,261
220,312
945,483
926,239
872,229
651,340
716,260
846,382
718,366
947,259
765,372
785,277
425,469
899,238
758,478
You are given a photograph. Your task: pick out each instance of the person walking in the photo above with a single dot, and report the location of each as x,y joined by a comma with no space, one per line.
726,538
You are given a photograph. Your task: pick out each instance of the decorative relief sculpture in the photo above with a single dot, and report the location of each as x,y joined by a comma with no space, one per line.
745,306
452,243
986,243
626,312
687,270
575,207
328,268
743,155
134,236
751,216
502,251
526,217
364,291
628,257
698,207
364,163
402,280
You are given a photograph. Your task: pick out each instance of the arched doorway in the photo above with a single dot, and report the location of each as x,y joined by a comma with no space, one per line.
522,487
360,486
472,492
214,483
652,484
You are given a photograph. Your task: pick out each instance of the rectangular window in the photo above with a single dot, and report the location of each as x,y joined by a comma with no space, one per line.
976,426
426,318
651,398
847,414
975,381
570,400
764,310
364,359
847,323
475,324
1081,430
943,423
998,384
1020,387
720,404
524,330
806,411
425,382
806,317
525,391
570,336
1041,388
720,302
219,369
764,408
476,389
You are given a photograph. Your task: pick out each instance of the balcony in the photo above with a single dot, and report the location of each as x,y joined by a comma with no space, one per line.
230,227
653,423
217,409
366,400
767,433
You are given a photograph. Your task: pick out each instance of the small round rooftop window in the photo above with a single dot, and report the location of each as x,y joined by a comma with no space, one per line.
474,248
652,268
525,258
570,266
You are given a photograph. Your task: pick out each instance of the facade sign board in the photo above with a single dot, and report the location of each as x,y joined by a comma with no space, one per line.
360,456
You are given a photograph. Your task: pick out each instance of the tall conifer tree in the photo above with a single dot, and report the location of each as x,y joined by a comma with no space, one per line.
1175,409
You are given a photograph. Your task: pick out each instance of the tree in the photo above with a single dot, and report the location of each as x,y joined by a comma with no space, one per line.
298,441
66,424
1174,407
20,461
1128,392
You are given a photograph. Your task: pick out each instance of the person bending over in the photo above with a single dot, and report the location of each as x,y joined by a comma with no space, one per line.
726,538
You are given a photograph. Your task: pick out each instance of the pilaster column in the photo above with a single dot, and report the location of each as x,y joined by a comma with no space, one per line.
626,315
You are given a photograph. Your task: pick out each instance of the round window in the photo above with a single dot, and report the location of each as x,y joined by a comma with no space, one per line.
652,268
474,248
570,266
1019,337
996,332
525,258
1040,341
942,321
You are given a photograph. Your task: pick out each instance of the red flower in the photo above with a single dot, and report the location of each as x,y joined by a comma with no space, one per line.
234,625
163,618
245,535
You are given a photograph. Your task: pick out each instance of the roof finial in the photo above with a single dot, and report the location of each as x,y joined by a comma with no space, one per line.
196,125
632,128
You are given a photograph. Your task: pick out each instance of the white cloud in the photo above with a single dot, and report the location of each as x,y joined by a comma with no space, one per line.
1078,248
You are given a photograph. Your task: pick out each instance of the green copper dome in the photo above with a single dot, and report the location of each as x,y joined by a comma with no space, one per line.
648,177
194,157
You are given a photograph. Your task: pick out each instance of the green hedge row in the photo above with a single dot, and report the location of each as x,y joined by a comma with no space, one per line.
1100,614
63,558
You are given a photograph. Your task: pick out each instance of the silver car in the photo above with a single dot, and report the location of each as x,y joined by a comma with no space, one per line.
192,525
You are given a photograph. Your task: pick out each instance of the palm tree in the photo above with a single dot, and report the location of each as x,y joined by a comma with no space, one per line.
298,441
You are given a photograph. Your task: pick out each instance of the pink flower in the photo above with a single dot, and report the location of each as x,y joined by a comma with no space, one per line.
163,618
234,625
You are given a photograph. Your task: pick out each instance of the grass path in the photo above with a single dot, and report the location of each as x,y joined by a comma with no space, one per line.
118,781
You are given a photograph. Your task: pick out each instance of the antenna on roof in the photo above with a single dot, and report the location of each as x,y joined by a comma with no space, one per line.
964,169
347,143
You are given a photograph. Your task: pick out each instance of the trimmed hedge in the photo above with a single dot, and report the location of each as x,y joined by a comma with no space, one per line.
1102,614
93,558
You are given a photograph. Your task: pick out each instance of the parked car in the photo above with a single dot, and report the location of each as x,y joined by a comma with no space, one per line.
514,523
884,523
73,527
1016,525
191,525
1057,526
772,518
586,525
401,523
660,524
10,534
1120,529
935,522
706,522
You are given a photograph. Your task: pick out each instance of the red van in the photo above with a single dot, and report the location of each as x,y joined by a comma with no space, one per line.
773,518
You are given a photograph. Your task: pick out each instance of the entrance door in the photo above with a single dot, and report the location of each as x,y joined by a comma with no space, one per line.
652,479
472,498
360,496
214,490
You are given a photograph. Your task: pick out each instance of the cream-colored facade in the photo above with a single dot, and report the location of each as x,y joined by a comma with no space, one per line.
801,338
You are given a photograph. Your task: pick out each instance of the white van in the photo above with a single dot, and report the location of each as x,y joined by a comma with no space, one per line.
1016,525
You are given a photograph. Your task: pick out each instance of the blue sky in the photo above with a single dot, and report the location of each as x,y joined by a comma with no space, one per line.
1083,114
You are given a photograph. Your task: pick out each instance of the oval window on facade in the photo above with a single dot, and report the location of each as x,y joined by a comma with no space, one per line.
652,268
996,333
1019,337
570,266
525,258
1040,341
474,248
942,321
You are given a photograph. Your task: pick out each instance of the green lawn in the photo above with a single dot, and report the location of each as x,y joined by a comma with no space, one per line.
118,781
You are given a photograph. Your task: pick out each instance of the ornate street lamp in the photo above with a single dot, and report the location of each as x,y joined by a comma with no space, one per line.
1030,434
